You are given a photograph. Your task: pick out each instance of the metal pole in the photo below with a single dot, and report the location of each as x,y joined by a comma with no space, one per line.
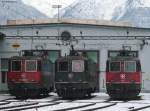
58,14
57,6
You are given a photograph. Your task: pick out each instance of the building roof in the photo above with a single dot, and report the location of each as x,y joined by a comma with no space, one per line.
69,21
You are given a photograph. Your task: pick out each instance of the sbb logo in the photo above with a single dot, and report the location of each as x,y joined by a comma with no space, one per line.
122,76
23,75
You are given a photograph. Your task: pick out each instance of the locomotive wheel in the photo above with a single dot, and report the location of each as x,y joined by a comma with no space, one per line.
20,97
125,91
89,95
89,91
45,92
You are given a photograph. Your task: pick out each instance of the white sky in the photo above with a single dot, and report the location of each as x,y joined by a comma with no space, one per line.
146,3
45,6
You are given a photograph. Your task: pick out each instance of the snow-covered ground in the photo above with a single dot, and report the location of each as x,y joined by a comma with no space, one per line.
99,102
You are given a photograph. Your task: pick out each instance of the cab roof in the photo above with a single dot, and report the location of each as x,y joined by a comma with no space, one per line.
72,58
123,59
25,57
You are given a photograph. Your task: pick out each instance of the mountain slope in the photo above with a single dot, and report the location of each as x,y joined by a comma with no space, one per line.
17,10
135,11
91,9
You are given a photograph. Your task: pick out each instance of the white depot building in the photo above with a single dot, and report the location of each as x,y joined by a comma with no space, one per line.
97,38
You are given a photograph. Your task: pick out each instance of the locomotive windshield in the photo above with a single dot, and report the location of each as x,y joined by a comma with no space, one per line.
115,66
130,66
77,66
63,66
16,65
30,65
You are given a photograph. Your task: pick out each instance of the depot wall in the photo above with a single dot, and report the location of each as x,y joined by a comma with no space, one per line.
6,49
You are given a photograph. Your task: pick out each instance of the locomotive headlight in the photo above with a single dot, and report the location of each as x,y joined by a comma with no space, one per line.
70,75
33,80
13,80
80,80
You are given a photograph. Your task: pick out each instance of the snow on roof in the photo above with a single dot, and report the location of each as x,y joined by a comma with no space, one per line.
69,21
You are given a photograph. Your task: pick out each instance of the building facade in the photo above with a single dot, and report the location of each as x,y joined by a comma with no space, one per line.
97,38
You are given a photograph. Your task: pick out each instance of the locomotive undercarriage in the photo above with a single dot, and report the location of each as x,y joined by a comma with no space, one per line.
74,90
28,90
123,91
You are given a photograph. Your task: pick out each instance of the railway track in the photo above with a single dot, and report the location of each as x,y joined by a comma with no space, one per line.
59,104
31,107
15,105
35,105
26,107
7,99
4,103
141,108
100,107
76,107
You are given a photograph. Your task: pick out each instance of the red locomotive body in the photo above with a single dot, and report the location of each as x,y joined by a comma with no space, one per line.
30,76
123,76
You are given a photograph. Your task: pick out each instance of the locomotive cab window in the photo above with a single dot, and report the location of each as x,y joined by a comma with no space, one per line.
63,66
77,66
130,66
115,66
30,65
16,66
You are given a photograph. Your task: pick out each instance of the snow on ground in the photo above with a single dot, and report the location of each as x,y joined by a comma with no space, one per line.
94,106
98,100
5,96
62,106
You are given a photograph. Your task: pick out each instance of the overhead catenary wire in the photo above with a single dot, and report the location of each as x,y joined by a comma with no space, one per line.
43,37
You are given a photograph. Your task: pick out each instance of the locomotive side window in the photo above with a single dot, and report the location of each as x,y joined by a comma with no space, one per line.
77,66
16,65
130,66
115,66
63,66
30,65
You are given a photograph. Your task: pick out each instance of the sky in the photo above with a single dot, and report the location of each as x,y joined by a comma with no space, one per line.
45,6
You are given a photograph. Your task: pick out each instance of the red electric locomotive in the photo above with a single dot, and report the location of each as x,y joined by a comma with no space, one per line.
30,76
123,74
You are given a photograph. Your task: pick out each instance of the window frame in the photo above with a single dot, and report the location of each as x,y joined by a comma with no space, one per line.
20,64
110,66
26,65
79,61
58,66
130,62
